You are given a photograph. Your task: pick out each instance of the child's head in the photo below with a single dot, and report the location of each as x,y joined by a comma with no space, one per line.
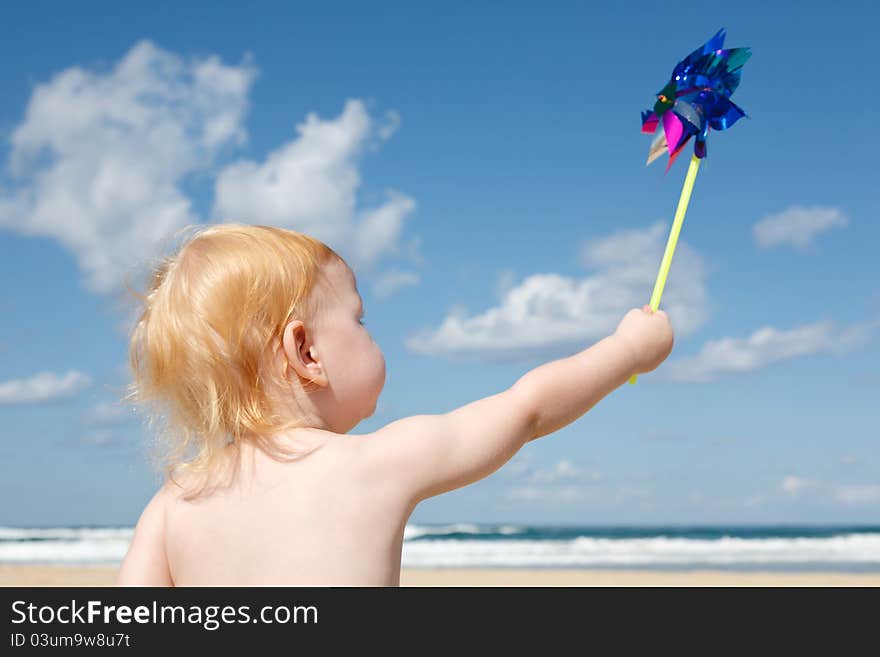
247,332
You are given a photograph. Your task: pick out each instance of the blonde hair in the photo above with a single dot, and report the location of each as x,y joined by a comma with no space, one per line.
211,314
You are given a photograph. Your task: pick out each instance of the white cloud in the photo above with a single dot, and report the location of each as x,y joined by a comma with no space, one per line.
562,471
387,283
566,469
844,494
100,158
106,414
797,226
563,481
794,486
726,356
858,494
550,310
310,184
579,493
558,494
43,387
390,126
378,230
104,161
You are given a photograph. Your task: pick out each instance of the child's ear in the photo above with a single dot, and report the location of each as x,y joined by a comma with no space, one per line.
301,355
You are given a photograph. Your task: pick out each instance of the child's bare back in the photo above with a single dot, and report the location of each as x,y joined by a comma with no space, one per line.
319,520
336,514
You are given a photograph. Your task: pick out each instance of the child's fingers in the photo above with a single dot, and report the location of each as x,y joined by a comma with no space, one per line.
647,308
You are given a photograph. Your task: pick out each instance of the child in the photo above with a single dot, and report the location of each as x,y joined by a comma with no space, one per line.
251,338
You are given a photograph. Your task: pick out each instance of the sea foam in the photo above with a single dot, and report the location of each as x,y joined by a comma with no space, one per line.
519,546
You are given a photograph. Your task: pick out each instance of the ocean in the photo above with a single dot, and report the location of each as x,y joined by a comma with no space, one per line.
784,548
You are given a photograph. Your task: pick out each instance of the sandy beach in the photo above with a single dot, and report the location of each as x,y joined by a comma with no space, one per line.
13,575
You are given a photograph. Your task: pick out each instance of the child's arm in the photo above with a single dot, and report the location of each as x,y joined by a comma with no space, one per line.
430,454
145,563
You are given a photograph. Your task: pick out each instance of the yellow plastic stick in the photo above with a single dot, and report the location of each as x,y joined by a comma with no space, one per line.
683,201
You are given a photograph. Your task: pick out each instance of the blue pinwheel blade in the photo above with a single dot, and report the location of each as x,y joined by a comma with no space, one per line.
727,116
698,96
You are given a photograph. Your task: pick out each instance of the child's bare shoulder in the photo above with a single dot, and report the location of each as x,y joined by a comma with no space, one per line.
427,455
145,563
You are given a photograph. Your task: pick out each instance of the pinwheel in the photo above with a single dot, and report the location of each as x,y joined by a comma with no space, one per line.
695,100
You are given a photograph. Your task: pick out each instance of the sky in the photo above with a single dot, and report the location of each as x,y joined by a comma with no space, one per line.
481,167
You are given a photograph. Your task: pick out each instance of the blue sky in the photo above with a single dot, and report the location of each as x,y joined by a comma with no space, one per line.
483,168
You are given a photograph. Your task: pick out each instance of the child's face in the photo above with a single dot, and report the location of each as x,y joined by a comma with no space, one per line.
354,363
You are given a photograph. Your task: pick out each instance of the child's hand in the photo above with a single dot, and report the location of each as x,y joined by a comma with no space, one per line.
649,335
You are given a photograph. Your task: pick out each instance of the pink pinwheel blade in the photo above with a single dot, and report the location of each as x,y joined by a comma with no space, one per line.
649,125
676,153
673,128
